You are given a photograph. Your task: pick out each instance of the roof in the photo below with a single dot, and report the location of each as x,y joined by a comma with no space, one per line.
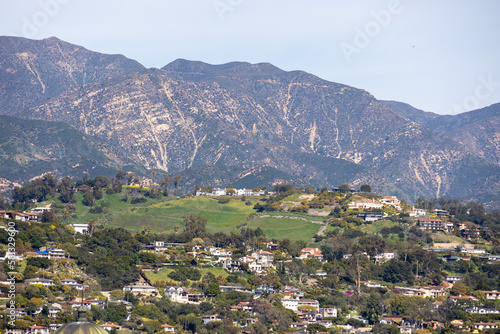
81,326
263,252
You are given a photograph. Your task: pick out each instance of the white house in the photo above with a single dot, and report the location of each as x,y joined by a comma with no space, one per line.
81,228
391,201
492,295
384,257
414,212
168,328
364,203
41,281
290,303
180,295
73,284
208,318
41,209
311,252
328,312
219,192
111,326
264,257
36,329
252,263
143,288
308,302
51,253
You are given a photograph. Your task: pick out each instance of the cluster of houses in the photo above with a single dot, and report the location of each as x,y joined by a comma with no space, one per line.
231,191
33,216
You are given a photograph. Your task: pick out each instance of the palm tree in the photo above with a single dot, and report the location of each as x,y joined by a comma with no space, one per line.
165,184
176,182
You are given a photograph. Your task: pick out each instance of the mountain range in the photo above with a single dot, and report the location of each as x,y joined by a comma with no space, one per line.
236,123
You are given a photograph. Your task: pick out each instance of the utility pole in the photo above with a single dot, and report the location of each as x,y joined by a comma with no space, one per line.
358,282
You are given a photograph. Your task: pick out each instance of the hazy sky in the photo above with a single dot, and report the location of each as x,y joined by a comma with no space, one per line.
440,56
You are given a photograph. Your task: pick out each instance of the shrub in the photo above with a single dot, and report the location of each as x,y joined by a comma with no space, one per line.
138,200
224,200
96,209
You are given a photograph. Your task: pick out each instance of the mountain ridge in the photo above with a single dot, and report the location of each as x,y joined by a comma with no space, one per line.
192,114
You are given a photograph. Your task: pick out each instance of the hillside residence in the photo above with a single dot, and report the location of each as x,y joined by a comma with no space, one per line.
414,212
364,203
370,216
290,303
452,279
430,292
87,303
311,252
294,304
482,310
20,216
384,257
220,252
264,257
238,192
159,246
490,258
391,201
36,329
328,312
73,284
81,228
51,253
179,294
211,317
486,325
111,326
440,213
470,233
373,285
53,311
40,210
431,224
138,287
390,320
271,245
251,261
294,292
230,265
249,192
54,327
41,281
233,287
492,295
168,328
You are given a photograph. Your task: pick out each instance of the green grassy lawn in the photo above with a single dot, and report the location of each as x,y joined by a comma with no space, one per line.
162,274
162,215
375,227
285,228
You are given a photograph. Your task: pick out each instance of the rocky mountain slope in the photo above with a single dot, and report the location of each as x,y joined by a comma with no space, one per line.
33,71
188,115
478,130
30,148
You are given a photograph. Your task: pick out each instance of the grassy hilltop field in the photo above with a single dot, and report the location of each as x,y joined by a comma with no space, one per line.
162,215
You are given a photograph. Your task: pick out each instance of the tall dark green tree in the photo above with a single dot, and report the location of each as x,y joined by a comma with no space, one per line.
66,190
